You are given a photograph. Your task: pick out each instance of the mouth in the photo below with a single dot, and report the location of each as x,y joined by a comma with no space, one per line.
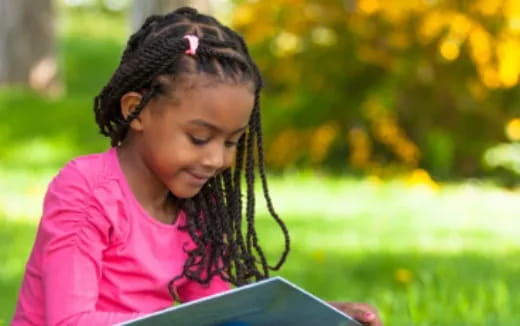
198,178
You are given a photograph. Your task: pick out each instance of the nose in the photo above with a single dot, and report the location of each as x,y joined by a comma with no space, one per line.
215,157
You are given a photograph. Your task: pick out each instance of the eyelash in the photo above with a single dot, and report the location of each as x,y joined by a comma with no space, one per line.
200,142
231,144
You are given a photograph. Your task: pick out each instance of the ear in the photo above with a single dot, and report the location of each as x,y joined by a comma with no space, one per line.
130,101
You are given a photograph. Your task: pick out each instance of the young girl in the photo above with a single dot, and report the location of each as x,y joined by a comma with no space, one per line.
158,217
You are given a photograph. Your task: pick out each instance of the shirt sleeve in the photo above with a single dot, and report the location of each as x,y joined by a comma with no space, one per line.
73,236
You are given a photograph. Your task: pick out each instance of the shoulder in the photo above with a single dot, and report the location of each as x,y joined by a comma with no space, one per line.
77,204
81,176
85,190
87,170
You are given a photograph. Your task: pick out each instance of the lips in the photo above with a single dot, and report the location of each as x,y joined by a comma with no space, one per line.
199,178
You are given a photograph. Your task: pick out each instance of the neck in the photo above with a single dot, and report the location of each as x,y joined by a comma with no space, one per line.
149,191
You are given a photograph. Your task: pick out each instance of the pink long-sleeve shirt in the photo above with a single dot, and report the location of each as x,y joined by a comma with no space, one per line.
98,257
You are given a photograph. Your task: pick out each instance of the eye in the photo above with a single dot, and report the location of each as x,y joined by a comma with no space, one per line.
198,141
230,143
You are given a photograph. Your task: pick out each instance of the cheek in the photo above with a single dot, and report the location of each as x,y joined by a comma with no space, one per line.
177,156
168,152
229,158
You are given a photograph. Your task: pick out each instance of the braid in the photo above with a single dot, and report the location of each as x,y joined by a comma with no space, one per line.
250,206
224,244
261,167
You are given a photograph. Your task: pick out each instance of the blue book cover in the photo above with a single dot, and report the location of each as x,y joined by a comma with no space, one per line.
274,301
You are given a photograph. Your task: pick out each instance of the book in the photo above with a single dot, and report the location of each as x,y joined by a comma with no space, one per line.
274,301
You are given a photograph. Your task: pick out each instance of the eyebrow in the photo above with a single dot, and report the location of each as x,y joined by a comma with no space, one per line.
213,127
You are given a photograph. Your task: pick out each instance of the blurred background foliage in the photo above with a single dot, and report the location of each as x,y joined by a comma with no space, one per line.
414,103
374,87
385,87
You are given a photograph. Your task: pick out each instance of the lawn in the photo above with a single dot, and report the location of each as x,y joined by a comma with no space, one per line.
423,256
423,253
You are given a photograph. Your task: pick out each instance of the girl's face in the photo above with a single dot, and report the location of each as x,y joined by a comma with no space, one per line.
191,135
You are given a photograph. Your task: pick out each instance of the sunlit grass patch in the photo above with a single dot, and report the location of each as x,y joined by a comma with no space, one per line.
22,192
394,216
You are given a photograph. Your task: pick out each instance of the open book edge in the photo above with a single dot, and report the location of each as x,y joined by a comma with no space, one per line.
267,302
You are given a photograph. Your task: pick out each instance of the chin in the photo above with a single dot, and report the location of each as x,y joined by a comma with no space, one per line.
185,196
185,193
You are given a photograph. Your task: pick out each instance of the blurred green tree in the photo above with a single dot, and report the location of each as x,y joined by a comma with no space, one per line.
386,86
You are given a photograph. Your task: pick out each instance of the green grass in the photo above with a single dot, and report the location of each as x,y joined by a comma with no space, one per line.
422,256
16,238
354,240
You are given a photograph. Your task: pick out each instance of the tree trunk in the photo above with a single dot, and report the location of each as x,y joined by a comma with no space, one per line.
144,8
27,48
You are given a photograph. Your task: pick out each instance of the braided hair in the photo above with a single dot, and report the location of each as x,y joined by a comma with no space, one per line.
154,59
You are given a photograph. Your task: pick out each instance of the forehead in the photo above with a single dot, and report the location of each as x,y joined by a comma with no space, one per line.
226,104
197,81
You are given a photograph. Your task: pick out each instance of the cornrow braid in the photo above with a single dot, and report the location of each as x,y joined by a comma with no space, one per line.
221,225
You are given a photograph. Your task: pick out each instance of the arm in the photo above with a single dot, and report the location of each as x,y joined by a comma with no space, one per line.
73,236
71,287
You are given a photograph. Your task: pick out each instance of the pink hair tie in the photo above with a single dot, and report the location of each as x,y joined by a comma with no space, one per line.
194,44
